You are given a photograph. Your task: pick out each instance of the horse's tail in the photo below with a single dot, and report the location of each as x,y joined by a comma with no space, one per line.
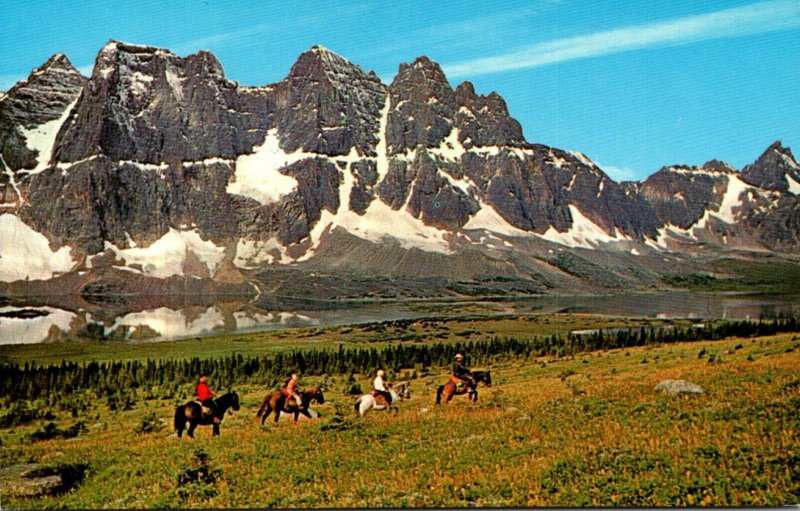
439,394
180,419
263,408
358,405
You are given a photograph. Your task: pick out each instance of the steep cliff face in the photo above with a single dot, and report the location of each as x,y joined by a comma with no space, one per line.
31,113
159,165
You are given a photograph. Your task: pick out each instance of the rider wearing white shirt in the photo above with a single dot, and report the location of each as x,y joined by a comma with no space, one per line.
380,387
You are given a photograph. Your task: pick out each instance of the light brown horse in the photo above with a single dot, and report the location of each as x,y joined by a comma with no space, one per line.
278,403
449,389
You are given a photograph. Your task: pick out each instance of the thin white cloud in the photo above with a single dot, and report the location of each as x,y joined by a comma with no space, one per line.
619,174
736,22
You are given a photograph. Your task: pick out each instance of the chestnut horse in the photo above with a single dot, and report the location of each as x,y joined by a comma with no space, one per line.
449,389
192,413
278,403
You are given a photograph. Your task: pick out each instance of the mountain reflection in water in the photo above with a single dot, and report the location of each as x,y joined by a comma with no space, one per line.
21,324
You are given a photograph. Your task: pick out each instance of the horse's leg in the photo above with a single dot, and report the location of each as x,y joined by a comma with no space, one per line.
296,415
474,395
180,421
306,413
439,394
279,406
265,414
216,429
192,426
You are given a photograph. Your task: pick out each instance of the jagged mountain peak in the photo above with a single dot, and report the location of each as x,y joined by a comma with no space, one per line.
55,70
776,169
319,63
123,56
31,112
718,166
421,70
146,104
163,149
58,61
778,150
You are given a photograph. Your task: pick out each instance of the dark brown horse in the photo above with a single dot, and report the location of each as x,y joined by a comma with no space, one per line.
192,413
449,389
278,403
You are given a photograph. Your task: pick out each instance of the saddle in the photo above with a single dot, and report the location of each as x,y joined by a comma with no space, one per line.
290,402
379,398
206,411
457,382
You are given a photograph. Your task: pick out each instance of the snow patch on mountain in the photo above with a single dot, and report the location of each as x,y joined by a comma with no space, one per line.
145,167
669,232
382,148
258,174
450,148
10,176
583,232
794,186
730,200
252,254
41,138
167,255
25,254
582,158
487,218
790,162
380,222
175,83
498,150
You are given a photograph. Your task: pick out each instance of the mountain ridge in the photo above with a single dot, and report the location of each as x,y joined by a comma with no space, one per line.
159,165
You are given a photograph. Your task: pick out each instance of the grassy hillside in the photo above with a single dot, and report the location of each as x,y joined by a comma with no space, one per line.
569,431
741,275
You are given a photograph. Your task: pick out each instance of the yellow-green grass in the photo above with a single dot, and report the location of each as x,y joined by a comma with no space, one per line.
584,430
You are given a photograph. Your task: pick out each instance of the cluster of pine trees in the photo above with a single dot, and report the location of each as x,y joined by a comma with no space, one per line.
113,381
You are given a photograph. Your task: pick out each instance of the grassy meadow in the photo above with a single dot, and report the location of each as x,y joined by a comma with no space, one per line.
582,430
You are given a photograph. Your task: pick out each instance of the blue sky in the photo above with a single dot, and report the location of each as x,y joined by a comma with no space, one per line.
635,85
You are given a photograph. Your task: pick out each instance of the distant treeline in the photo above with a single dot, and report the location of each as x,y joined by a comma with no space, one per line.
115,380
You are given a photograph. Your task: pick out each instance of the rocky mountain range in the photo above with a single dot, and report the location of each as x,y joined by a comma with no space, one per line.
157,169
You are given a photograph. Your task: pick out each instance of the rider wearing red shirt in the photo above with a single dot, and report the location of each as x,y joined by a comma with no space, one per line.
206,397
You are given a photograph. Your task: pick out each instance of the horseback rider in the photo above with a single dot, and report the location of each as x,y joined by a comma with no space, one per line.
206,397
290,390
379,386
461,373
